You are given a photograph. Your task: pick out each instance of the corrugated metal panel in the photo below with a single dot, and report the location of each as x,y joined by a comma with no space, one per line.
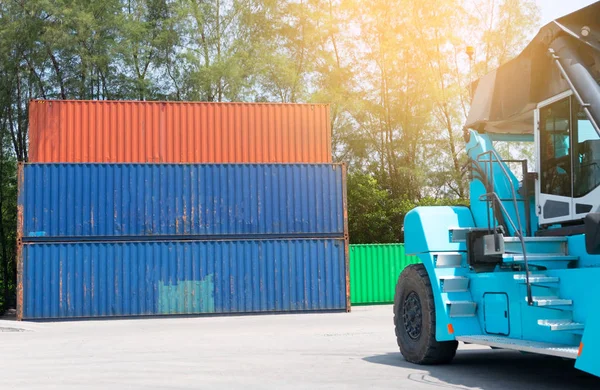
179,132
73,280
85,200
374,271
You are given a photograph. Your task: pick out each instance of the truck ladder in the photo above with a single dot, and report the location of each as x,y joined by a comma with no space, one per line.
518,228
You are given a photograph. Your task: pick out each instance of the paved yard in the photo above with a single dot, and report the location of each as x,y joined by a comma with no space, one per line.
348,351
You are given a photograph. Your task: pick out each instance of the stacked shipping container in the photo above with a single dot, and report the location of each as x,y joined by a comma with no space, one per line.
374,271
178,132
145,208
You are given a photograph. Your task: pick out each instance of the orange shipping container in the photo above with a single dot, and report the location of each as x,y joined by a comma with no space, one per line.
178,132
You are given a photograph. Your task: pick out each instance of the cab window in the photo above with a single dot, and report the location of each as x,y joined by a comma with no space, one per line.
586,153
555,159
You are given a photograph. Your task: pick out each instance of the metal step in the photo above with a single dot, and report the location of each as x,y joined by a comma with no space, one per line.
448,259
550,301
560,350
561,324
460,234
536,245
454,283
537,257
461,308
536,278
536,239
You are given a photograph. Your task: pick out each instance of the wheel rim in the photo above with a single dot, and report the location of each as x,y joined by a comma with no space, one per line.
412,315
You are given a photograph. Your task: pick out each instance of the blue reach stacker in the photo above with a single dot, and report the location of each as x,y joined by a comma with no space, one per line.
519,268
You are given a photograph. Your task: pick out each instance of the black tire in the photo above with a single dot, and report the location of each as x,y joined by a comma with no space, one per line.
417,343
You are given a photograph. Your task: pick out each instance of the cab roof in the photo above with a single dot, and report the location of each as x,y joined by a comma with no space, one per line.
503,100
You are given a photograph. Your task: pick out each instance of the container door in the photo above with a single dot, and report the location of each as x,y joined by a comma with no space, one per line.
555,175
495,312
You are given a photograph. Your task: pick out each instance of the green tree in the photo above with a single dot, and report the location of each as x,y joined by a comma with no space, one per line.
145,36
8,220
368,219
225,41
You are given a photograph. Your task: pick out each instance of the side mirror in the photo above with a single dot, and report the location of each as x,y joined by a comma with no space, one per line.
592,233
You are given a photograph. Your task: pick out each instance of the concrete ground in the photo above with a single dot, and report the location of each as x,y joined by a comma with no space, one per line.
307,351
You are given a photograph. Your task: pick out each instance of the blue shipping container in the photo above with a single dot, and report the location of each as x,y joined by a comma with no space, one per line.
104,279
105,201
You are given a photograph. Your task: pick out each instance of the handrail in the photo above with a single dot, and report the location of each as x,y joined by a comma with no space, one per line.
493,153
525,185
495,195
482,172
518,231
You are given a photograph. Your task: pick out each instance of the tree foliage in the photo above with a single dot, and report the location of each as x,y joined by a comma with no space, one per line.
395,74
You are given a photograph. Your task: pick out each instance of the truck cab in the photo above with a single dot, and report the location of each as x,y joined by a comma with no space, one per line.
518,268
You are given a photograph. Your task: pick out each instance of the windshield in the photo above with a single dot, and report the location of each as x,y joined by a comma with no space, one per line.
586,154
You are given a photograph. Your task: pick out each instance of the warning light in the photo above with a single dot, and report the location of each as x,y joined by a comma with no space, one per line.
470,51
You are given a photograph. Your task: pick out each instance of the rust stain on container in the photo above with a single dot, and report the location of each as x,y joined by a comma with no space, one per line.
19,280
19,249
20,193
346,234
178,132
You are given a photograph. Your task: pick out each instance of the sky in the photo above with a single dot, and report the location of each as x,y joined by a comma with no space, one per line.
553,9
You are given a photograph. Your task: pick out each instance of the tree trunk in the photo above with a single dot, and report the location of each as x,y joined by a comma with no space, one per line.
56,67
219,86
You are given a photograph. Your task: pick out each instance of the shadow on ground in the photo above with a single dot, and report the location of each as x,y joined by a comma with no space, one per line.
10,315
496,370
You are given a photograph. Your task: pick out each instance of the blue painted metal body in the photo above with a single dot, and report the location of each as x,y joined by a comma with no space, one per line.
107,201
575,272
100,279
426,233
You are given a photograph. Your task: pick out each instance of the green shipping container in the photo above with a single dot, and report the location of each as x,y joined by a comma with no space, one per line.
374,271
